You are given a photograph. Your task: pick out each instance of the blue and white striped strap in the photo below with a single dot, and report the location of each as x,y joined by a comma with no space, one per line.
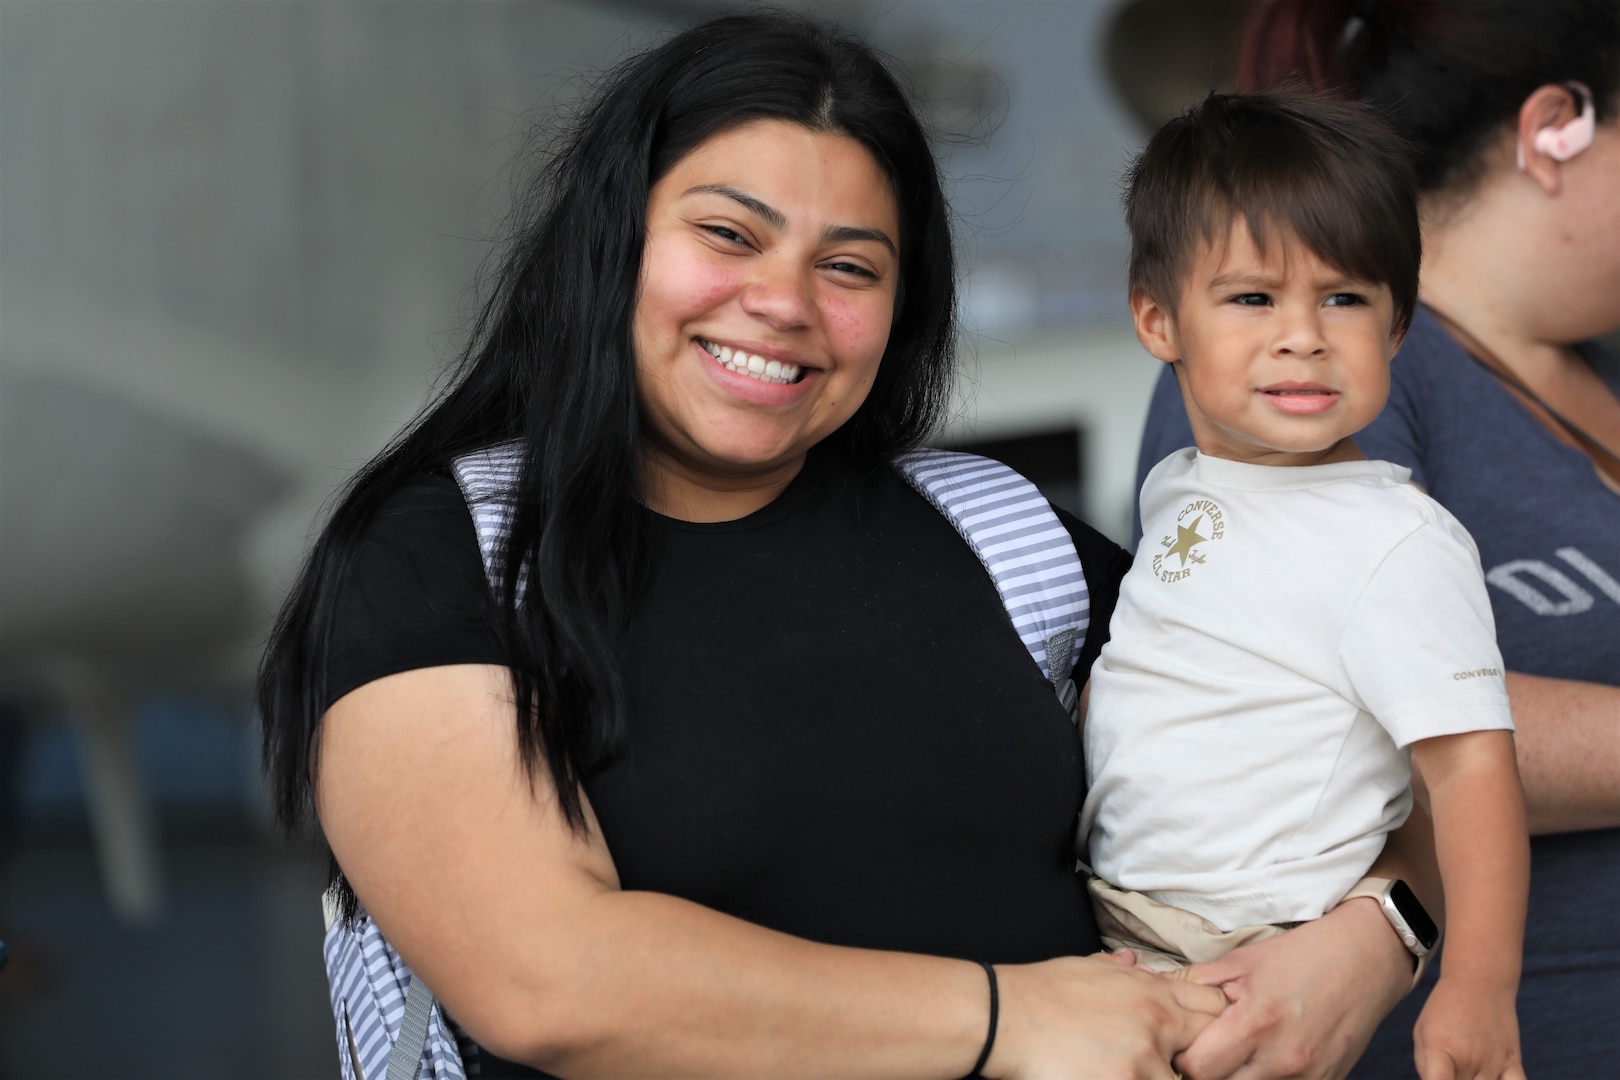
487,479
389,1026
1029,553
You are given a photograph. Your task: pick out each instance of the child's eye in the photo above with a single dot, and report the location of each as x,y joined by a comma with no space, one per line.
1252,299
1346,299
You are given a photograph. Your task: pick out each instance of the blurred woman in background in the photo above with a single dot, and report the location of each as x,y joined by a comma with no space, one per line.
1508,413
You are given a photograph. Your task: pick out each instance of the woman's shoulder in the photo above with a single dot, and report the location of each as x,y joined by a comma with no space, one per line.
1098,554
416,594
955,484
422,521
423,500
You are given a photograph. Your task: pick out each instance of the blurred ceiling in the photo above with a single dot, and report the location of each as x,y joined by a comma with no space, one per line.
236,242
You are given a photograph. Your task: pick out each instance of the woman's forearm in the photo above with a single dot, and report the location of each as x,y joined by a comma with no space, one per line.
1409,854
518,924
653,985
658,986
1306,1003
1569,751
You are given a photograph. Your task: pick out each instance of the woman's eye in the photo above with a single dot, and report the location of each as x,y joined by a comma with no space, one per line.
729,235
852,268
1346,299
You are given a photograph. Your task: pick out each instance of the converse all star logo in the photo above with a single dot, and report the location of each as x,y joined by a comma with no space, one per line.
1200,522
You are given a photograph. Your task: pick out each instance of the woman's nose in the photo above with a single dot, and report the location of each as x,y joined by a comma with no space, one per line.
781,296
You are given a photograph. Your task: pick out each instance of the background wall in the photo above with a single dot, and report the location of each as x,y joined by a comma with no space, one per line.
236,244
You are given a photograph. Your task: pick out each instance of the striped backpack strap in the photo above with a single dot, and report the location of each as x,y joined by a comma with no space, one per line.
1029,553
389,1025
487,479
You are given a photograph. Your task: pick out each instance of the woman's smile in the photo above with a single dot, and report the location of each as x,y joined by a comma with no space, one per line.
754,365
768,284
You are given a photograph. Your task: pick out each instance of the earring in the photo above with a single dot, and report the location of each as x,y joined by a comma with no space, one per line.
1563,143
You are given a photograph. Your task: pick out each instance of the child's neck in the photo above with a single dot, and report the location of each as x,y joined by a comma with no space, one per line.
1343,450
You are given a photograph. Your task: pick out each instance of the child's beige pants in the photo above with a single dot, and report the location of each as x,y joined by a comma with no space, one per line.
1165,938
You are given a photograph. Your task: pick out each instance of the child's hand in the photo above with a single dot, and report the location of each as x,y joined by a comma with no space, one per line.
1468,1032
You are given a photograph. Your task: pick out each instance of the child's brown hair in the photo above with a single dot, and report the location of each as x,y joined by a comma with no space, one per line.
1331,173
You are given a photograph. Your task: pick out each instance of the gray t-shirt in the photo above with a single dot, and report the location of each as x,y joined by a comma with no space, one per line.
1548,532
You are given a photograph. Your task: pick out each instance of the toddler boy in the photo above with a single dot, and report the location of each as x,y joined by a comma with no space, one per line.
1302,628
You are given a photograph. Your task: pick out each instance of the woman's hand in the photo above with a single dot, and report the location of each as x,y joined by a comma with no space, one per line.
1304,1004
1095,1016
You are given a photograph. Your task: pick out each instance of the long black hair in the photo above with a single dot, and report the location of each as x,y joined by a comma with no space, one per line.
549,363
1450,74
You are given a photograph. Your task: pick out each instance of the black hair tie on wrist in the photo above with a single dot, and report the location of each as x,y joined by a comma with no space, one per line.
995,1017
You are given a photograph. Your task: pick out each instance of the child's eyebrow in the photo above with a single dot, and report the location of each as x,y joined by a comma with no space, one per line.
1243,277
1260,279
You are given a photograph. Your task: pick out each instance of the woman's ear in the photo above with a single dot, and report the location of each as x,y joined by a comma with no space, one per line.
1155,325
1551,126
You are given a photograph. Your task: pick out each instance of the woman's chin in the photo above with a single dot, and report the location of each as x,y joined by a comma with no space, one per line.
731,458
742,463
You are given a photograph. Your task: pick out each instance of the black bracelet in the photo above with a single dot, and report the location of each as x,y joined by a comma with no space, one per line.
995,1017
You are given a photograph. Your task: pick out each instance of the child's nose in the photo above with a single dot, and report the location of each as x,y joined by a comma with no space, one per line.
1299,333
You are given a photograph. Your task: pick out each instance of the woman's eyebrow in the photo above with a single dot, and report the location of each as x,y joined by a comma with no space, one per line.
834,234
764,210
843,234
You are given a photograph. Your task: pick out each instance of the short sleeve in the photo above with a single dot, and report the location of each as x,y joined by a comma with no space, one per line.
1419,651
1104,563
416,595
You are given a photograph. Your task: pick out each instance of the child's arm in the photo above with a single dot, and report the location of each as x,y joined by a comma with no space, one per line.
1469,1027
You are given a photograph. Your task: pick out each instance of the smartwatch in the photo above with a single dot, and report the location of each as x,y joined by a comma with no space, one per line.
1405,913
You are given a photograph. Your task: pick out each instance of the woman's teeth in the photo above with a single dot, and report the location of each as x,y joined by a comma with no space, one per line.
755,367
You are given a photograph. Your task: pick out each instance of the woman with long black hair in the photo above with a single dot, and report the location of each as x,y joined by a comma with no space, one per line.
1508,411
733,765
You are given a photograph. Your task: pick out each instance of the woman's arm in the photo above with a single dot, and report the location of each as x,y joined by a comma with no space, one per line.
1307,1003
1568,741
519,925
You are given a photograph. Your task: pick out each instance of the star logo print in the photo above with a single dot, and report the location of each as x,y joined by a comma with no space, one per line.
1187,538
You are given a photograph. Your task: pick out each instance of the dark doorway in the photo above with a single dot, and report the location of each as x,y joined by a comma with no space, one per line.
1051,459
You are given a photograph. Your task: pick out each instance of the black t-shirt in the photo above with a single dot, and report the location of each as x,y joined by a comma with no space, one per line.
835,731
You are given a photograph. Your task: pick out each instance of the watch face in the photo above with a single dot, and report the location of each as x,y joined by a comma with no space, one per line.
1412,911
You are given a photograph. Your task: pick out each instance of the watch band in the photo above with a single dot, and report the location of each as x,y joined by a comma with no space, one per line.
1384,892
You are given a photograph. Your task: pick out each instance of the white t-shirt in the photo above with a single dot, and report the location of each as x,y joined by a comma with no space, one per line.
1283,636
